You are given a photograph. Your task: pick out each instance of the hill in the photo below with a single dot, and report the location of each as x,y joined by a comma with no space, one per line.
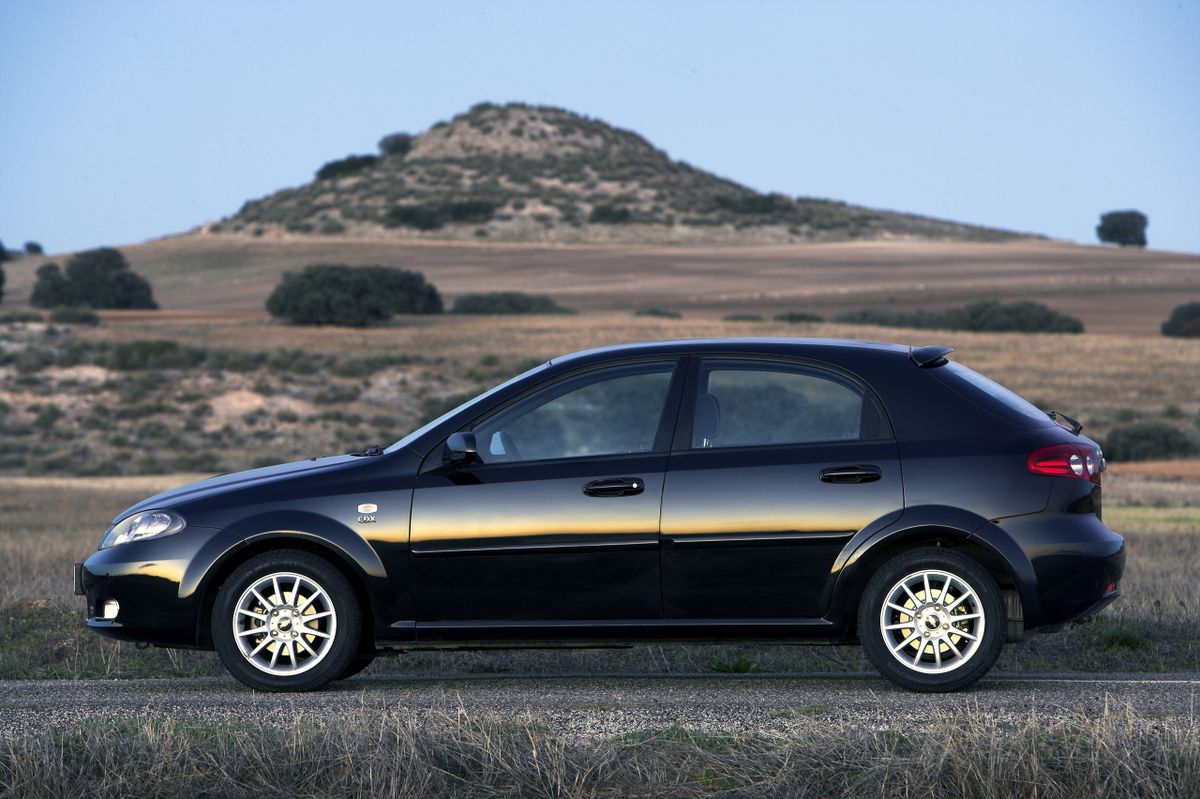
526,173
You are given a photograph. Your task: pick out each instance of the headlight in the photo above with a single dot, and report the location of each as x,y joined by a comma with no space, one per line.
140,526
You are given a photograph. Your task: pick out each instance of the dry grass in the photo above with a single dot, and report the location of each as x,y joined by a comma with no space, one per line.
450,754
1117,290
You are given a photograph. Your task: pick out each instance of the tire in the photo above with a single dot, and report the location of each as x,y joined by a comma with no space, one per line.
930,650
275,593
357,665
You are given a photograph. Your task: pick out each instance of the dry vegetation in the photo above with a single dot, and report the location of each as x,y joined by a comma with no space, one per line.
449,754
1113,290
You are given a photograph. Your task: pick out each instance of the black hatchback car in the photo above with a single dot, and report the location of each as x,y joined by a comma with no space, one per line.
717,490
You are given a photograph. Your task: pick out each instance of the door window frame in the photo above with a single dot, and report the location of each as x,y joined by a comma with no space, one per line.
667,423
682,440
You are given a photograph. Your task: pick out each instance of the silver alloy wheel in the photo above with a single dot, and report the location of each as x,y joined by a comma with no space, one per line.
284,623
932,621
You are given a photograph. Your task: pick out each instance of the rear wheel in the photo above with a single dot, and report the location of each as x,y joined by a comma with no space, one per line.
286,621
932,620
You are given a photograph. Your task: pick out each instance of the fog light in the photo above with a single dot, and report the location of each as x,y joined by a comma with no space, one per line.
111,608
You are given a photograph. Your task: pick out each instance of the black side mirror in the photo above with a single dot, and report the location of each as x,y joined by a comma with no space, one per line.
460,449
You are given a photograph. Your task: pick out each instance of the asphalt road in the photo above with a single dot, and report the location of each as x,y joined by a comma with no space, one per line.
604,705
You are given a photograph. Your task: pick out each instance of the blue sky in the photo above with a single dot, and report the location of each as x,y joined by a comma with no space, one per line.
128,120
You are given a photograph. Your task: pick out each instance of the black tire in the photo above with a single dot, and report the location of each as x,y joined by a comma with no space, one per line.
879,649
341,648
357,665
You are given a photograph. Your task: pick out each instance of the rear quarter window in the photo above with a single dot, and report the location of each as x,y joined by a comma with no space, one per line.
992,396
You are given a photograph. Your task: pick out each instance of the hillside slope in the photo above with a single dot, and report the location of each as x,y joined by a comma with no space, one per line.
538,174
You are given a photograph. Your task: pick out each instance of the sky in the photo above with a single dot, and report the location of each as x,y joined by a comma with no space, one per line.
123,120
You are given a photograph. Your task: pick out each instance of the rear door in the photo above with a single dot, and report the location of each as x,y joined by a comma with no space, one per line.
776,466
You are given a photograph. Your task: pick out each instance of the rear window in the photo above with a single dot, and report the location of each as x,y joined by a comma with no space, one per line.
973,384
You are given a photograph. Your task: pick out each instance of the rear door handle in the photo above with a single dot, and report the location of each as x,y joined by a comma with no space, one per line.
615,487
851,474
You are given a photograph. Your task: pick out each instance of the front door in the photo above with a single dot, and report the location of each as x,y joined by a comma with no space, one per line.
558,520
782,465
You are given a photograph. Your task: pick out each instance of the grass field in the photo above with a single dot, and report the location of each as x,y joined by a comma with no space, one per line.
1154,627
1114,290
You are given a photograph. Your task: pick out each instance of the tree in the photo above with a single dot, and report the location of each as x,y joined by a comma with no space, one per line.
353,296
1,284
34,248
1184,322
98,278
397,144
4,256
346,166
1126,228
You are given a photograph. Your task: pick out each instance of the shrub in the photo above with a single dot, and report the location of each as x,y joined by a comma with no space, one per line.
346,166
96,279
406,291
1184,322
664,313
4,254
70,315
1126,228
796,317
150,354
987,316
507,302
396,144
20,316
1148,441
742,317
604,214
1,284
34,248
432,216
330,294
756,204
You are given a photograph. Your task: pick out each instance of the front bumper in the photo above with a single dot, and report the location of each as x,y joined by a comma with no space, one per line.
155,585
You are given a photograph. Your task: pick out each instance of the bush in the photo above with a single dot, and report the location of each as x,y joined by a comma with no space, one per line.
796,317
95,279
133,356
664,313
346,166
610,215
1148,441
1,284
33,248
1184,322
4,254
432,216
987,316
397,144
70,315
756,204
507,302
329,294
742,317
406,292
1126,228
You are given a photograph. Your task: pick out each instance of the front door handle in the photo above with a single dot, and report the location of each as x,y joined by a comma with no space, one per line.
851,474
615,487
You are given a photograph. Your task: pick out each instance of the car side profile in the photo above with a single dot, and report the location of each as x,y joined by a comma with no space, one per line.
704,491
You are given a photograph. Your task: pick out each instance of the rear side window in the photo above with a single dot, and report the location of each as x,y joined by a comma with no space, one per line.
975,384
747,403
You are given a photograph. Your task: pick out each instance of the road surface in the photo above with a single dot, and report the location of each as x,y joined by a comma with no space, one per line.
602,705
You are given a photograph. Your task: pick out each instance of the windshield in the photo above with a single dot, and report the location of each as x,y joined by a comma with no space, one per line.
1009,399
409,439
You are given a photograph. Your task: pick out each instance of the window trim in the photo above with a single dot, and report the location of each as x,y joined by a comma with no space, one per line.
682,440
668,420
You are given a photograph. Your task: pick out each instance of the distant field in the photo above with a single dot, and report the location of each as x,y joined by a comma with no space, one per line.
1113,290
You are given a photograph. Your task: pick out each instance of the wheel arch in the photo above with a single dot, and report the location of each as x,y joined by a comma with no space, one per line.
951,528
276,541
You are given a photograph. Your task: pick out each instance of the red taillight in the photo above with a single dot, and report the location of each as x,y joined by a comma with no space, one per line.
1067,460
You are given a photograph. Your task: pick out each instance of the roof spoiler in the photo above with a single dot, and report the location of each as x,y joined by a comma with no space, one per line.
929,357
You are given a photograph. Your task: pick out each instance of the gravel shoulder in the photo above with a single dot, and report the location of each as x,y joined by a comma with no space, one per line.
599,706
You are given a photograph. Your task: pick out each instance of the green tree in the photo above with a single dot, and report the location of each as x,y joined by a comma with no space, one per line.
351,296
34,248
1184,322
98,278
1148,441
1,284
396,144
346,166
4,255
1126,228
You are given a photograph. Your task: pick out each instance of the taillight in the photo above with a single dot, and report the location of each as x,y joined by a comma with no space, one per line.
1067,460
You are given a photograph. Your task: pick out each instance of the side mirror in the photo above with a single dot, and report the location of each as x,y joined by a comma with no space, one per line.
460,449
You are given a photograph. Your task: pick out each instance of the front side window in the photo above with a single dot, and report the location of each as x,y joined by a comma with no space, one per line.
605,412
742,404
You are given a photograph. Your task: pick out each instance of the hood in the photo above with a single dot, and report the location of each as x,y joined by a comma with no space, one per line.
235,481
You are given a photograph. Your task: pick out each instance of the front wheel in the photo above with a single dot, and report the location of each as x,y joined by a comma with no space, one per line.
286,621
932,620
